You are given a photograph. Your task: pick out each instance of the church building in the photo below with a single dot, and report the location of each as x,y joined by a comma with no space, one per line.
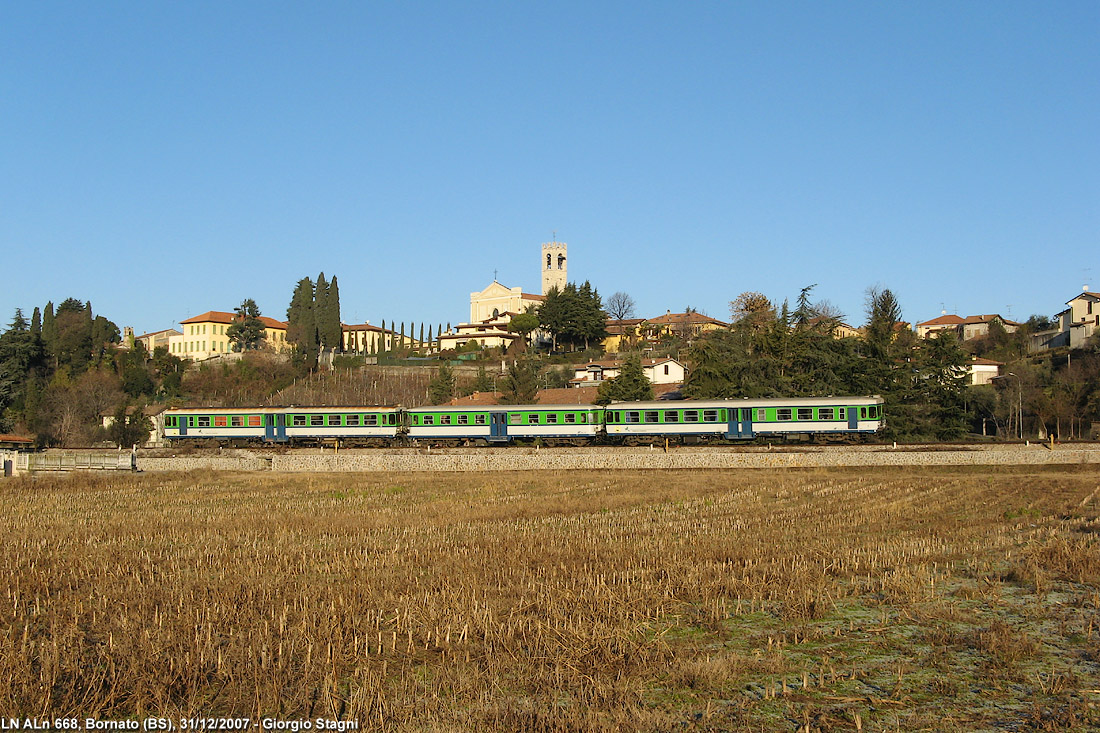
491,309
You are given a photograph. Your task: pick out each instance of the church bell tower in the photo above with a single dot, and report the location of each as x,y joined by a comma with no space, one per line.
553,266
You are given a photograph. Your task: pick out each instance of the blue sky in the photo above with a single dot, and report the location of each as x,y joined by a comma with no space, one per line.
164,159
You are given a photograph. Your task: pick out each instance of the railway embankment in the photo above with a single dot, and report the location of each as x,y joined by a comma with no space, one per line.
559,459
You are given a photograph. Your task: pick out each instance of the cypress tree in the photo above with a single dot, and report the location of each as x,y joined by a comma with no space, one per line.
36,322
334,331
49,329
521,384
382,338
421,343
320,305
429,343
301,327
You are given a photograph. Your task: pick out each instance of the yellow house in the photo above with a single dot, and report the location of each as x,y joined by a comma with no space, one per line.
623,335
684,325
205,336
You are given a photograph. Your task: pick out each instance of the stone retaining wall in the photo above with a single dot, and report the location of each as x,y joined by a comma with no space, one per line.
519,459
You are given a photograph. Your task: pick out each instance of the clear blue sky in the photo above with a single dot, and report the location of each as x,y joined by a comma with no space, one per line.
164,159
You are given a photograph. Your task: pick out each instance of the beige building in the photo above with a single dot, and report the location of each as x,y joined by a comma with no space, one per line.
157,338
488,333
983,371
205,336
1078,322
496,300
965,328
664,370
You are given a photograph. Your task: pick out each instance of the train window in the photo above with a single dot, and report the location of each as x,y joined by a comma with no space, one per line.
570,417
333,419
761,415
632,416
533,419
203,422
220,421
710,415
297,420
370,419
691,416
514,418
746,414
863,413
783,413
805,413
352,421
429,419
479,419
254,420
237,421
583,417
670,416
315,420
652,416
463,419
444,419
552,418
825,413
873,410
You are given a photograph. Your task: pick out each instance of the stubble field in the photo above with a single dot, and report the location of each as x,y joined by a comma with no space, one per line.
883,599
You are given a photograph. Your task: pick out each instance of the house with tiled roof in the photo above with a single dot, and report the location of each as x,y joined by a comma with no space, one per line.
366,338
983,371
489,332
663,370
685,325
964,328
1078,322
153,339
623,334
205,336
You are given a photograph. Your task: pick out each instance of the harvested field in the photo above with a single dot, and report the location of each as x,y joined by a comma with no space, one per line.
946,598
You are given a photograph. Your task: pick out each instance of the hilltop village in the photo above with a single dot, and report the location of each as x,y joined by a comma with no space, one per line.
69,377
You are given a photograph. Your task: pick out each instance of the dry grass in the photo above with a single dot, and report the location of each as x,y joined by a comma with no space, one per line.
831,600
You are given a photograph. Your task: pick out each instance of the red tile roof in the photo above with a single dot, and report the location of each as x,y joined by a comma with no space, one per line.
949,319
223,317
682,318
566,396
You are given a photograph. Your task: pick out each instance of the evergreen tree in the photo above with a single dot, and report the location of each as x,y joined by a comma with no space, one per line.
442,388
630,386
36,322
430,341
382,338
421,342
521,384
334,331
320,310
73,342
246,333
482,382
133,372
49,330
301,328
128,430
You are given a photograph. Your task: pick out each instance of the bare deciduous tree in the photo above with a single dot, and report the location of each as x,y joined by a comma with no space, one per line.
619,306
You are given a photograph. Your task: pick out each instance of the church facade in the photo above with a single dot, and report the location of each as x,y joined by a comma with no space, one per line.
491,309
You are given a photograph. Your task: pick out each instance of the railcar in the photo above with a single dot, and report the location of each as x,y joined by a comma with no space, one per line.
351,425
743,419
217,425
576,424
224,424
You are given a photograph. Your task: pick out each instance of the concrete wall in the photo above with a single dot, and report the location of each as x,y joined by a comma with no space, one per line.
526,459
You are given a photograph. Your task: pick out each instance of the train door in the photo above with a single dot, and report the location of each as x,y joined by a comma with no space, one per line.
746,422
182,422
853,418
498,426
269,427
280,427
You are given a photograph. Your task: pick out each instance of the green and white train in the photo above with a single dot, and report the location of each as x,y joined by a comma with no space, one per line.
620,422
